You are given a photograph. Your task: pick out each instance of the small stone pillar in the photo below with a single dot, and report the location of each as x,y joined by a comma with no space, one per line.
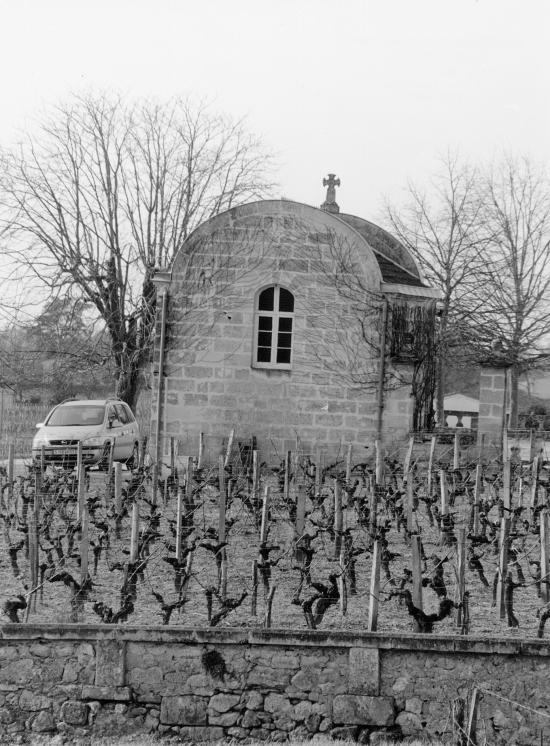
492,400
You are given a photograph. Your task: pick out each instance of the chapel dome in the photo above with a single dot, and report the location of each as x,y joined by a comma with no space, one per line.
396,264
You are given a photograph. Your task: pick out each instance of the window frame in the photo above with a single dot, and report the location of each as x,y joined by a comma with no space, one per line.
276,315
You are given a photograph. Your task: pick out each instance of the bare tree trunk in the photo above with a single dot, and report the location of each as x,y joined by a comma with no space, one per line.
514,407
440,369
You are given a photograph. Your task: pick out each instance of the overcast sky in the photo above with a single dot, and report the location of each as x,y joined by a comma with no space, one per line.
372,90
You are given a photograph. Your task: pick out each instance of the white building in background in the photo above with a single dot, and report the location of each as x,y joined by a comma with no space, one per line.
536,383
460,411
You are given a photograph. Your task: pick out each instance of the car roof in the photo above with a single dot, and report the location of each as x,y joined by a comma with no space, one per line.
93,402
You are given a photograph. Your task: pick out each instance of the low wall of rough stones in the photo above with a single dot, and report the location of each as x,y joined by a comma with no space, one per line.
265,684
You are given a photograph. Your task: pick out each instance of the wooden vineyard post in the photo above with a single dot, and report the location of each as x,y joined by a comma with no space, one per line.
264,526
372,622
111,457
173,445
81,492
444,493
300,524
35,555
408,459
505,446
373,513
10,474
200,457
534,484
544,557
222,501
33,565
410,506
254,595
506,486
118,487
519,485
37,494
531,444
221,528
154,483
141,452
227,459
477,496
379,463
269,606
349,457
318,476
481,448
342,585
78,458
431,465
417,574
84,543
456,452
189,502
472,719
188,568
502,565
338,519
444,510
179,513
288,461
255,485
461,575
134,536
223,574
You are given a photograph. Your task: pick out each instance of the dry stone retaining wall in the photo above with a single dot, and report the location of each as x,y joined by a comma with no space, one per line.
210,684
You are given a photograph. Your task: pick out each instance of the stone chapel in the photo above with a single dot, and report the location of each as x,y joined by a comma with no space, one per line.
295,327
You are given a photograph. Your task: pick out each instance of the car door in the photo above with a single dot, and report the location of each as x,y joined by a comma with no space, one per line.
115,429
126,440
133,427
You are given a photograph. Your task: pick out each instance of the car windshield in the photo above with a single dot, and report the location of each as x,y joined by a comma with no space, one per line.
79,414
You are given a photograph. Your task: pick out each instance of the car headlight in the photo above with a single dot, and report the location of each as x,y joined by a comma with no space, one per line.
97,441
39,442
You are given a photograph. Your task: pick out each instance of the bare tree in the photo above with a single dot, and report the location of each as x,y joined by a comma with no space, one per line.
107,192
441,230
513,298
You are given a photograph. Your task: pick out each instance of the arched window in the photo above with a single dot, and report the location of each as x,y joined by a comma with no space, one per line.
274,328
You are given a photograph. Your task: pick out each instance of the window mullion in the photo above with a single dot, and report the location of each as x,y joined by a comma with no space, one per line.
274,337
275,325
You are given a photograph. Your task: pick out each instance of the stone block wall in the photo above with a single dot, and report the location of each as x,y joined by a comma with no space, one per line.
263,684
492,394
328,397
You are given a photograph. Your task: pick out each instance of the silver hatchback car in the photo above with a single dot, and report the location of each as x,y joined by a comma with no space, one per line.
96,423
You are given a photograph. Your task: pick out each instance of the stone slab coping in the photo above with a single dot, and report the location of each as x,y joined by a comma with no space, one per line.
280,637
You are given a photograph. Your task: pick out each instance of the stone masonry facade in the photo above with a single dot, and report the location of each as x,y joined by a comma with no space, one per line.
204,685
492,394
211,385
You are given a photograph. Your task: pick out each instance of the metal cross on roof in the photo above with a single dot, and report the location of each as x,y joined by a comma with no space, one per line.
330,204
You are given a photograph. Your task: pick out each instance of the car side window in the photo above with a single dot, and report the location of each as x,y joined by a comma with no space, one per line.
112,414
129,413
122,414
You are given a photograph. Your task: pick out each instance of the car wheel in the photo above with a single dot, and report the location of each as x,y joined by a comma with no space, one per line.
133,461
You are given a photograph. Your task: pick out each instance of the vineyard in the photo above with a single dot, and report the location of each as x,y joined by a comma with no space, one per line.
435,542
